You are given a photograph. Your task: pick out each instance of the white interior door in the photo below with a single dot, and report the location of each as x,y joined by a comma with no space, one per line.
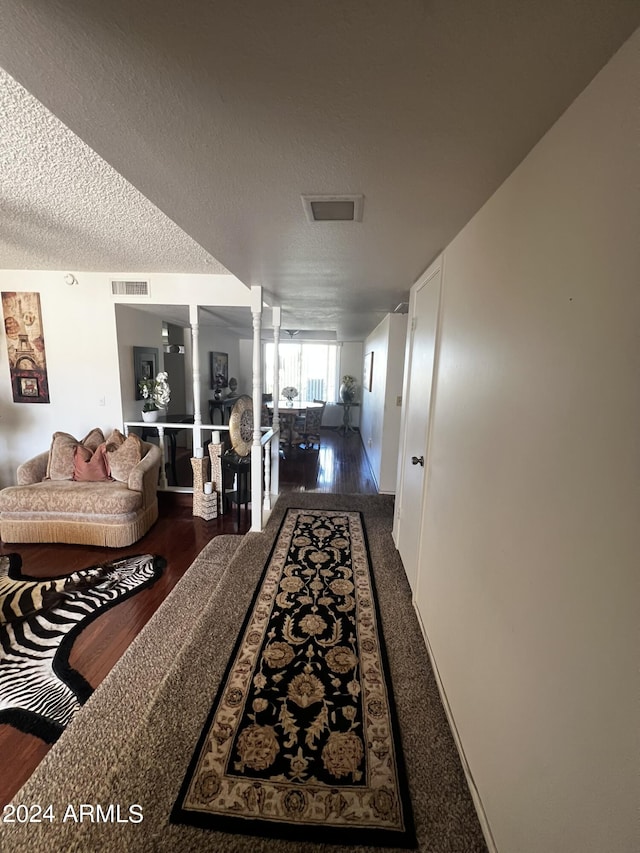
418,393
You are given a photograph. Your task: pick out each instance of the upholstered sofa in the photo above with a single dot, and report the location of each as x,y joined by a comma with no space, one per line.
91,491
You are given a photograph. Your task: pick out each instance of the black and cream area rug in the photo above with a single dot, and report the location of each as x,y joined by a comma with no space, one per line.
39,620
302,740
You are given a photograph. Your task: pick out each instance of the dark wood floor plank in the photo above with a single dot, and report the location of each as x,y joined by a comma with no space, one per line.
340,466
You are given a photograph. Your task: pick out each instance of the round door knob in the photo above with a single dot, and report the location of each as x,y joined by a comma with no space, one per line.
417,460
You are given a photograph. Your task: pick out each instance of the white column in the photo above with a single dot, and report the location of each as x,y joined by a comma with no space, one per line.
275,442
195,367
256,448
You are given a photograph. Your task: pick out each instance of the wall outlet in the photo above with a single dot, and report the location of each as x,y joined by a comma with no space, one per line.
399,400
102,401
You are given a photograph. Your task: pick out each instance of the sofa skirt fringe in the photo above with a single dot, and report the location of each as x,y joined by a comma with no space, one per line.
116,534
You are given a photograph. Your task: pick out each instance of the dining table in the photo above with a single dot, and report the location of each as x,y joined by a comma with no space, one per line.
288,412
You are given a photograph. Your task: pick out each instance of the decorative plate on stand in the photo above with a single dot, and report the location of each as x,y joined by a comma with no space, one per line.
241,425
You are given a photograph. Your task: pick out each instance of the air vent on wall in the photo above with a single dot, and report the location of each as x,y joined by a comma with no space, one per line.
130,288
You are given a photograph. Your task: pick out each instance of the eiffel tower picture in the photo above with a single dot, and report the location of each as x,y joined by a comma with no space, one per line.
25,347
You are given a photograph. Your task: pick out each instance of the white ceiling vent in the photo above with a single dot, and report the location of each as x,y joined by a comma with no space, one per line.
333,208
130,288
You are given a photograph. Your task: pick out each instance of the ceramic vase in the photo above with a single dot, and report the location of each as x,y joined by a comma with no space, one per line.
347,394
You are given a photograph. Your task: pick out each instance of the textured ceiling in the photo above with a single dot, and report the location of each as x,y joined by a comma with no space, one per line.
63,207
224,114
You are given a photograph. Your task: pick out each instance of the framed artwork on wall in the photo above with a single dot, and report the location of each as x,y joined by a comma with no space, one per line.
145,366
219,369
25,347
367,372
29,386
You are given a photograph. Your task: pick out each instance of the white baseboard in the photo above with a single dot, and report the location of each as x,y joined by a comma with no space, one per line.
475,796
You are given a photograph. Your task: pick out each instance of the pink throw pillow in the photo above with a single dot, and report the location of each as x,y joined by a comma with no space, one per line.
90,467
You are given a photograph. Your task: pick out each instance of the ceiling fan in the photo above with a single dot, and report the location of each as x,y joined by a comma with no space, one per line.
311,334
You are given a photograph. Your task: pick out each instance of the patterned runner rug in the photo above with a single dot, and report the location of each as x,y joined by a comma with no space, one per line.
39,620
302,740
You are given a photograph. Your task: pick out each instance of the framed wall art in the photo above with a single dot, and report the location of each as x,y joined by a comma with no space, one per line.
29,386
219,369
367,372
145,366
25,347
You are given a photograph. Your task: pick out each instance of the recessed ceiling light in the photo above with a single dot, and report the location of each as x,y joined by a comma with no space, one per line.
333,208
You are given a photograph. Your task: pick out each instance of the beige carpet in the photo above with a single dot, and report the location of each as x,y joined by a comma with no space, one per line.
131,743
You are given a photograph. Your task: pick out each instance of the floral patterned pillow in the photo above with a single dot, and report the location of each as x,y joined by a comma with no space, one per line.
93,439
61,460
123,458
115,438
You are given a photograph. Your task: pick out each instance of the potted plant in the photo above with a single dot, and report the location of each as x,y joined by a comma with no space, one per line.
156,394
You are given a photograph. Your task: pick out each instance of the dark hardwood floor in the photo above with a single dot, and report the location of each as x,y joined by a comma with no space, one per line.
340,467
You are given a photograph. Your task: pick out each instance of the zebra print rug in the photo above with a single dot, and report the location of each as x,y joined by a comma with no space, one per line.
39,691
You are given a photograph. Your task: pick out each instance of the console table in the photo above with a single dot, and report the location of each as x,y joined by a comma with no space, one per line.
240,468
151,429
346,417
223,406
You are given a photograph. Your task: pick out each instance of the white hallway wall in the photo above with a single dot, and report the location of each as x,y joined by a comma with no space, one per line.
531,524
380,419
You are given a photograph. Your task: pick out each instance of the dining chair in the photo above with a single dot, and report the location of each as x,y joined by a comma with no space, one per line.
310,431
299,422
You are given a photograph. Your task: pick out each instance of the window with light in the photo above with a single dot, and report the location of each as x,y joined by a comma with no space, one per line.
311,368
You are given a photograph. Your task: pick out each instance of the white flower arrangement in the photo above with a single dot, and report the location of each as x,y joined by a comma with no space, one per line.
349,382
289,392
155,392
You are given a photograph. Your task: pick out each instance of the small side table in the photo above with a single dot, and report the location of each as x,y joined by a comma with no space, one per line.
346,417
240,467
